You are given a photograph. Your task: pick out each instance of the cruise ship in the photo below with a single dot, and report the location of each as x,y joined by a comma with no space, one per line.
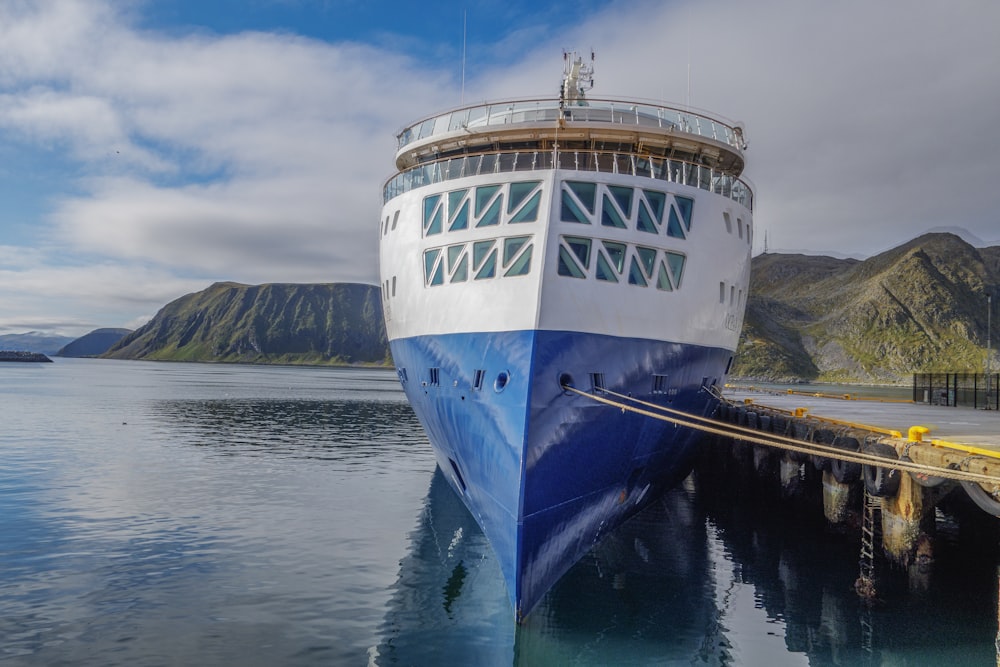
537,252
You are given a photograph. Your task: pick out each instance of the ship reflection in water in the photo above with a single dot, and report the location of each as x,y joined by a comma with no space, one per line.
698,578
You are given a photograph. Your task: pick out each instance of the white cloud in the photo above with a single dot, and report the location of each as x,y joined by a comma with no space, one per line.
41,294
253,157
869,123
258,157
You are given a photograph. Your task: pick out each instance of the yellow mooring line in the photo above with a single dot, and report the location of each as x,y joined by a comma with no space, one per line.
728,430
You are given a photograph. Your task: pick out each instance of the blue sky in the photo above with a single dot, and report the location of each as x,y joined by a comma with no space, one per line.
148,149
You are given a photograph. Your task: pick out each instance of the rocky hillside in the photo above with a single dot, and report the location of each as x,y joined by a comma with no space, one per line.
95,343
276,323
918,307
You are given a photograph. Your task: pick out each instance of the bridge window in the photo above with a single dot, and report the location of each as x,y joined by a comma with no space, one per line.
686,207
458,210
489,200
645,265
674,224
675,264
578,200
433,271
610,261
574,257
524,200
635,276
433,212
458,263
517,255
484,259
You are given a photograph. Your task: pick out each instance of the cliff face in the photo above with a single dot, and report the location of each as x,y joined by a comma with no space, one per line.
274,323
919,307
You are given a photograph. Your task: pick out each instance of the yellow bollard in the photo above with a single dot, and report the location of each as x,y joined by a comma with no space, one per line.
916,433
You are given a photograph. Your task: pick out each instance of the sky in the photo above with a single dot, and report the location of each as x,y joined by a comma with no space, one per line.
149,148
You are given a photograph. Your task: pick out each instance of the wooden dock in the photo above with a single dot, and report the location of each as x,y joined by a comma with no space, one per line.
882,465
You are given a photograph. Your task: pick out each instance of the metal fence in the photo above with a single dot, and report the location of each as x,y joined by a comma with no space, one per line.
974,390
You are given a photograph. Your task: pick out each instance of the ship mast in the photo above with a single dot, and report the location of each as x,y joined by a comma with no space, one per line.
578,78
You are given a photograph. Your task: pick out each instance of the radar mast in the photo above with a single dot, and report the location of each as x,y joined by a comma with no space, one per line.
578,78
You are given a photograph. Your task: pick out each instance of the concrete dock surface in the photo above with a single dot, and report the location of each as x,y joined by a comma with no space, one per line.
961,425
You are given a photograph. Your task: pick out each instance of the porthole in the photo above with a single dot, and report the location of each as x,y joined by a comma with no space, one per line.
501,382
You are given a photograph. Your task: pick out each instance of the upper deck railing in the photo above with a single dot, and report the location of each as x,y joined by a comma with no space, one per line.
499,162
533,111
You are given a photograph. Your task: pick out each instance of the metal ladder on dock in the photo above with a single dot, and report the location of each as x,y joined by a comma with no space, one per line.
865,585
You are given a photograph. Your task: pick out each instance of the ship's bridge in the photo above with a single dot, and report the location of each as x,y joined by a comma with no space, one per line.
645,129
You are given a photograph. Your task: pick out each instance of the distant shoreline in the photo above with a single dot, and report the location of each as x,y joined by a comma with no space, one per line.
18,355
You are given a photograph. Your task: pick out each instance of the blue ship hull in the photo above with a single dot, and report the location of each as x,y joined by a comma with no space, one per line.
547,473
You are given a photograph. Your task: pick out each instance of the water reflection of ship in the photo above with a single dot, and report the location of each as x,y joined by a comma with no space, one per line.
802,576
643,595
656,591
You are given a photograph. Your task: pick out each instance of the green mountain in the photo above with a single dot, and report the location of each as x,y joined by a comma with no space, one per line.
94,343
917,308
275,323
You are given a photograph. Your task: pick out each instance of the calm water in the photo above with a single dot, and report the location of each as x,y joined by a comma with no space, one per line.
182,514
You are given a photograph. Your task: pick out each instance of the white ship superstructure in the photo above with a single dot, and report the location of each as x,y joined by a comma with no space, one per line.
532,244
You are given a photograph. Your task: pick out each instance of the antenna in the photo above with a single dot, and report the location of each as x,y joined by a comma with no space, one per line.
687,101
465,15
577,79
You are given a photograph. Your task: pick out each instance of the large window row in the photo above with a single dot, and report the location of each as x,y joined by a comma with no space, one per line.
614,262
662,169
623,207
479,260
481,206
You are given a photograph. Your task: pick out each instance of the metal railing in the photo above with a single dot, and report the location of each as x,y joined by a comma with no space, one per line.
662,169
974,390
533,111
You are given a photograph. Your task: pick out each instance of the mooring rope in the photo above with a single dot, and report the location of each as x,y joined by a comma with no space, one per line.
725,429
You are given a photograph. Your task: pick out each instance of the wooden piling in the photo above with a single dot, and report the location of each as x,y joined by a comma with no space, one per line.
907,517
